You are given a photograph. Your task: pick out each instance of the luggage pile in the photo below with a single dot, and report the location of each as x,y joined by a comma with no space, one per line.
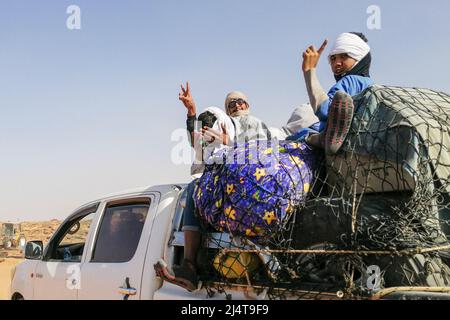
381,203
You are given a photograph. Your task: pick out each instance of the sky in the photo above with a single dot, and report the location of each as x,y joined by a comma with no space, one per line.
91,111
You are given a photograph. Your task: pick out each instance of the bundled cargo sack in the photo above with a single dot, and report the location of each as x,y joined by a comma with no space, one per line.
257,187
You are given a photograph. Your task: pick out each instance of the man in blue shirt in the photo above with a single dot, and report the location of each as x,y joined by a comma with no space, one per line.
350,60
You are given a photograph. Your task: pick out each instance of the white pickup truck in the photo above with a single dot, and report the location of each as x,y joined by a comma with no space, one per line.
383,202
106,249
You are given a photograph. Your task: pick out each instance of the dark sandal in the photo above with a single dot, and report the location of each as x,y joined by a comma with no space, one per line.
184,276
340,117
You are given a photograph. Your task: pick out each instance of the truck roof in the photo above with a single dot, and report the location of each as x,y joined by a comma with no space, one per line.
164,188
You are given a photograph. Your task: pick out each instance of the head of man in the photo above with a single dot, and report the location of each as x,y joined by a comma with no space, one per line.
207,119
236,104
350,55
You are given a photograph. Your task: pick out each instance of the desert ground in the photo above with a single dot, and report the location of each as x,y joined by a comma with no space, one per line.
9,258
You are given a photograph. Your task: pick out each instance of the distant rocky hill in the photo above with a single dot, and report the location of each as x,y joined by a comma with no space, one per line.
33,230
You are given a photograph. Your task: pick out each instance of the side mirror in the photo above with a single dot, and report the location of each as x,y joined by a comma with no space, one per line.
33,250
74,229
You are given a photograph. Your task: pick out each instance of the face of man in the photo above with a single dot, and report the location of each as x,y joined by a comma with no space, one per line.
237,105
115,222
341,63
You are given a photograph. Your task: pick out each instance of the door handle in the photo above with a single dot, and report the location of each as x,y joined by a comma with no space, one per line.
128,291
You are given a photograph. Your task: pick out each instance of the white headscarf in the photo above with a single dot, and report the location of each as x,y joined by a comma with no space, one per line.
212,152
222,118
350,44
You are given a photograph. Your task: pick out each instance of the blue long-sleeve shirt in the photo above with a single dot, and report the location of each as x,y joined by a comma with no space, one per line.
351,85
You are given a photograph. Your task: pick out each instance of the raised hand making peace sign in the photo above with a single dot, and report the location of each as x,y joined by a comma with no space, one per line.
311,56
186,97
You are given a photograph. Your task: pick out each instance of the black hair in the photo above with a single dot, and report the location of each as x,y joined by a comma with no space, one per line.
361,35
207,119
363,66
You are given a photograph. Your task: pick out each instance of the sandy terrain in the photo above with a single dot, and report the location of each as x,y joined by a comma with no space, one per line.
11,257
6,267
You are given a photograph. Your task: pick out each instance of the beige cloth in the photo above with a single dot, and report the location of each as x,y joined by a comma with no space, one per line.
428,112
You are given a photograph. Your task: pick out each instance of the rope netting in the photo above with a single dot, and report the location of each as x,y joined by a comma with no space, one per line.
294,223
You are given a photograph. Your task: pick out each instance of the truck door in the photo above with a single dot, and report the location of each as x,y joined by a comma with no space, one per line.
113,270
57,275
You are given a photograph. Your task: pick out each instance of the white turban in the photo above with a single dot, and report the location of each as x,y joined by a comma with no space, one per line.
213,152
222,119
350,44
236,95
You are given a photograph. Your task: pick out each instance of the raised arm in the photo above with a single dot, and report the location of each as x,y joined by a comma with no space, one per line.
188,101
311,58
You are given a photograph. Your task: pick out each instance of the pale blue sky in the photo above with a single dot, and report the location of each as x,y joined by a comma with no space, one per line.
88,112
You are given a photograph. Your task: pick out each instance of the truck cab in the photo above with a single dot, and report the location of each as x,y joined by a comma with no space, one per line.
106,249
103,250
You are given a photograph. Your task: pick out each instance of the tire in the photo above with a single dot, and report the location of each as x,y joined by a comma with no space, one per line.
17,296
423,270
327,220
8,244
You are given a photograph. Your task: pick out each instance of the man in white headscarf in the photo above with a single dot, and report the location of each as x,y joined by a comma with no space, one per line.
247,127
350,61
207,144
237,125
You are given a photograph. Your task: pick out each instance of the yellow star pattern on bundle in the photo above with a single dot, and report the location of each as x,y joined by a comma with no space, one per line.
306,187
230,213
230,188
296,161
269,217
259,173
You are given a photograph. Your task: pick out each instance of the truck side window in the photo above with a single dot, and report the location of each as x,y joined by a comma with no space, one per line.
120,232
70,248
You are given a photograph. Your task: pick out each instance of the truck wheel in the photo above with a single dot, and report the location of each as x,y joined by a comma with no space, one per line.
17,296
8,244
423,270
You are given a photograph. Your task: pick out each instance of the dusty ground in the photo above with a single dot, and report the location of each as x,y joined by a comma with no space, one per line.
6,267
10,258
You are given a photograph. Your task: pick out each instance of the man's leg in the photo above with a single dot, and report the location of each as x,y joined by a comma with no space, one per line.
340,116
191,246
185,275
191,227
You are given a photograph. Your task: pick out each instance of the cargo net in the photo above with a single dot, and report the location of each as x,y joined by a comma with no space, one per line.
371,220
